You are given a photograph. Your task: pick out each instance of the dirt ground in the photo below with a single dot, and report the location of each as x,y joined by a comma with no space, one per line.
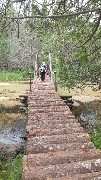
9,101
9,92
84,94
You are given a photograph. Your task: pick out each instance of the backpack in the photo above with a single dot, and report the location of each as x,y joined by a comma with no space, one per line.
43,69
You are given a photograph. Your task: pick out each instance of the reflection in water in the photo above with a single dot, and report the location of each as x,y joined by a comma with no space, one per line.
12,135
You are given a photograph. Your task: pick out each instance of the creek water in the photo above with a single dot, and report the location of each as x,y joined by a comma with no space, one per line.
89,115
13,120
12,124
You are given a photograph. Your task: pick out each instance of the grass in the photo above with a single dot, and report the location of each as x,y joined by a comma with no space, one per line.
11,169
6,76
96,138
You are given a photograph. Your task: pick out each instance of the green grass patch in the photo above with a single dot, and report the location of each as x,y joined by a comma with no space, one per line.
96,138
13,75
12,169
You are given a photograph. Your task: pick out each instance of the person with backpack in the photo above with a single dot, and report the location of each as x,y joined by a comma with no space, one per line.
42,72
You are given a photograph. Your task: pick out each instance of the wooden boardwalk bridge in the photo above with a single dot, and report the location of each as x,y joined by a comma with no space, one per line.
57,147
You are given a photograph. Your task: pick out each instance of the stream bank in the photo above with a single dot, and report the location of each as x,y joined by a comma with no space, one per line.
87,106
13,119
12,128
89,116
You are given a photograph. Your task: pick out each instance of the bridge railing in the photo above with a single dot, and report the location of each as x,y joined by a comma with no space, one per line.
52,74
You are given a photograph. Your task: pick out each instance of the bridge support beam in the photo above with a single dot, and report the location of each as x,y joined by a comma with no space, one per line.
51,72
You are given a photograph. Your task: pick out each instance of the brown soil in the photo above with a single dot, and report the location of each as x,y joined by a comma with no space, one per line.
9,98
9,92
85,94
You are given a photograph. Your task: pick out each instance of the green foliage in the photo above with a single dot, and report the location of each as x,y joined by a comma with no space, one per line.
73,41
13,75
11,169
75,50
96,138
4,45
5,30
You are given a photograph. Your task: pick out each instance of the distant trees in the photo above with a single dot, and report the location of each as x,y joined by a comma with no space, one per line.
70,31
4,44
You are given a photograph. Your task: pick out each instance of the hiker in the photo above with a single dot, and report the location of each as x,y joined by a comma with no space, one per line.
42,72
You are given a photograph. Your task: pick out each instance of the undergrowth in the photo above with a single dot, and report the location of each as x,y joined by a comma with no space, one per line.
13,75
96,138
11,169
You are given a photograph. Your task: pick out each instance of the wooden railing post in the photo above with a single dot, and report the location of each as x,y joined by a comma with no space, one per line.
55,83
30,73
51,72
36,67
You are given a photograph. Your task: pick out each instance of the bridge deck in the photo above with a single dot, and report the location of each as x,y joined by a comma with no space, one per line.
57,147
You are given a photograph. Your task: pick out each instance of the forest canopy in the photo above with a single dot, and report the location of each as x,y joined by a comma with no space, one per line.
68,29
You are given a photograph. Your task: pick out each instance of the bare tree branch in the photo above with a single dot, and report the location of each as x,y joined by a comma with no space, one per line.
86,3
4,27
95,50
95,38
94,31
49,4
13,1
71,14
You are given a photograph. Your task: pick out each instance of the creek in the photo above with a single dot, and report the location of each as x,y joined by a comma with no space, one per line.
13,122
89,115
12,128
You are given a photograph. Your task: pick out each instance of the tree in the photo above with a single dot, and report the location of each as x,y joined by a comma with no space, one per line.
76,43
70,30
